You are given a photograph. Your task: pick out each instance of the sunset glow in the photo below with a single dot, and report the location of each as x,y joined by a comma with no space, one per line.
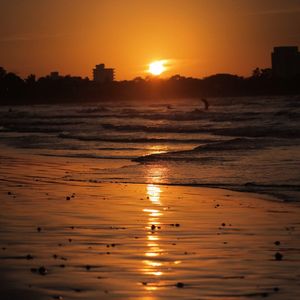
211,36
157,67
149,149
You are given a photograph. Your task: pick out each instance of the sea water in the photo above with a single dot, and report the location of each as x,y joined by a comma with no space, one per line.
246,143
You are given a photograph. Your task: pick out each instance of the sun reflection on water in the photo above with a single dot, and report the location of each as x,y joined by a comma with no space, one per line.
153,193
151,263
156,174
154,264
158,149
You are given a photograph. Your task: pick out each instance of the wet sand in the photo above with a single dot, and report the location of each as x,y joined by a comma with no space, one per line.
63,239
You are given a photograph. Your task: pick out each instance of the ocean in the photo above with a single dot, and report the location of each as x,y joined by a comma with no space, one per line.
247,144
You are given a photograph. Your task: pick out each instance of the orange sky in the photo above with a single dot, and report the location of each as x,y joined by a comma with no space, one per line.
198,37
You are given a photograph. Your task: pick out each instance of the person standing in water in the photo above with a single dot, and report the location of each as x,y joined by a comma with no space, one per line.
206,104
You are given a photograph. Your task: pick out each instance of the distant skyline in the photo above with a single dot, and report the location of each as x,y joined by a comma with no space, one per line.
197,37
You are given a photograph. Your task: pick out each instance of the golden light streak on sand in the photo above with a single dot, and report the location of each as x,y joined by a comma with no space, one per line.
152,237
153,213
152,263
153,192
152,267
151,254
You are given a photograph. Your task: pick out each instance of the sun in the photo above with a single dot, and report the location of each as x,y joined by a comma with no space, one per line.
157,67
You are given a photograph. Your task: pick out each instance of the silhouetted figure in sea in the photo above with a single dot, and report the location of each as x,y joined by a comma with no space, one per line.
206,104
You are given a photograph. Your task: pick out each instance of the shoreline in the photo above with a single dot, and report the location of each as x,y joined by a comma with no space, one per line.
140,241
283,192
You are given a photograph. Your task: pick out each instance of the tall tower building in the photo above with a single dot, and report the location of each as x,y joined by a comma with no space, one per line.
285,61
102,74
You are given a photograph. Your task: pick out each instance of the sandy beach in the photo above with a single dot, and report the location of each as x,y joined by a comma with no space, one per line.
150,150
63,239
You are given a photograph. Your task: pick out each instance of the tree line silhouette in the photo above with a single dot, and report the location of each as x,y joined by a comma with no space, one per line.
47,90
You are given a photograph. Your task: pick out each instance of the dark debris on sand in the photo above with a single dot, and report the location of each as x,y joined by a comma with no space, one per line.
278,256
41,270
179,285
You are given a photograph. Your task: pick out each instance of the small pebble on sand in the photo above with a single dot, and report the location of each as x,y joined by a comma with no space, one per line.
278,256
179,285
41,270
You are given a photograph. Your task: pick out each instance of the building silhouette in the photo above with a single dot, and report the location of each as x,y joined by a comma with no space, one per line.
285,61
102,74
54,75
